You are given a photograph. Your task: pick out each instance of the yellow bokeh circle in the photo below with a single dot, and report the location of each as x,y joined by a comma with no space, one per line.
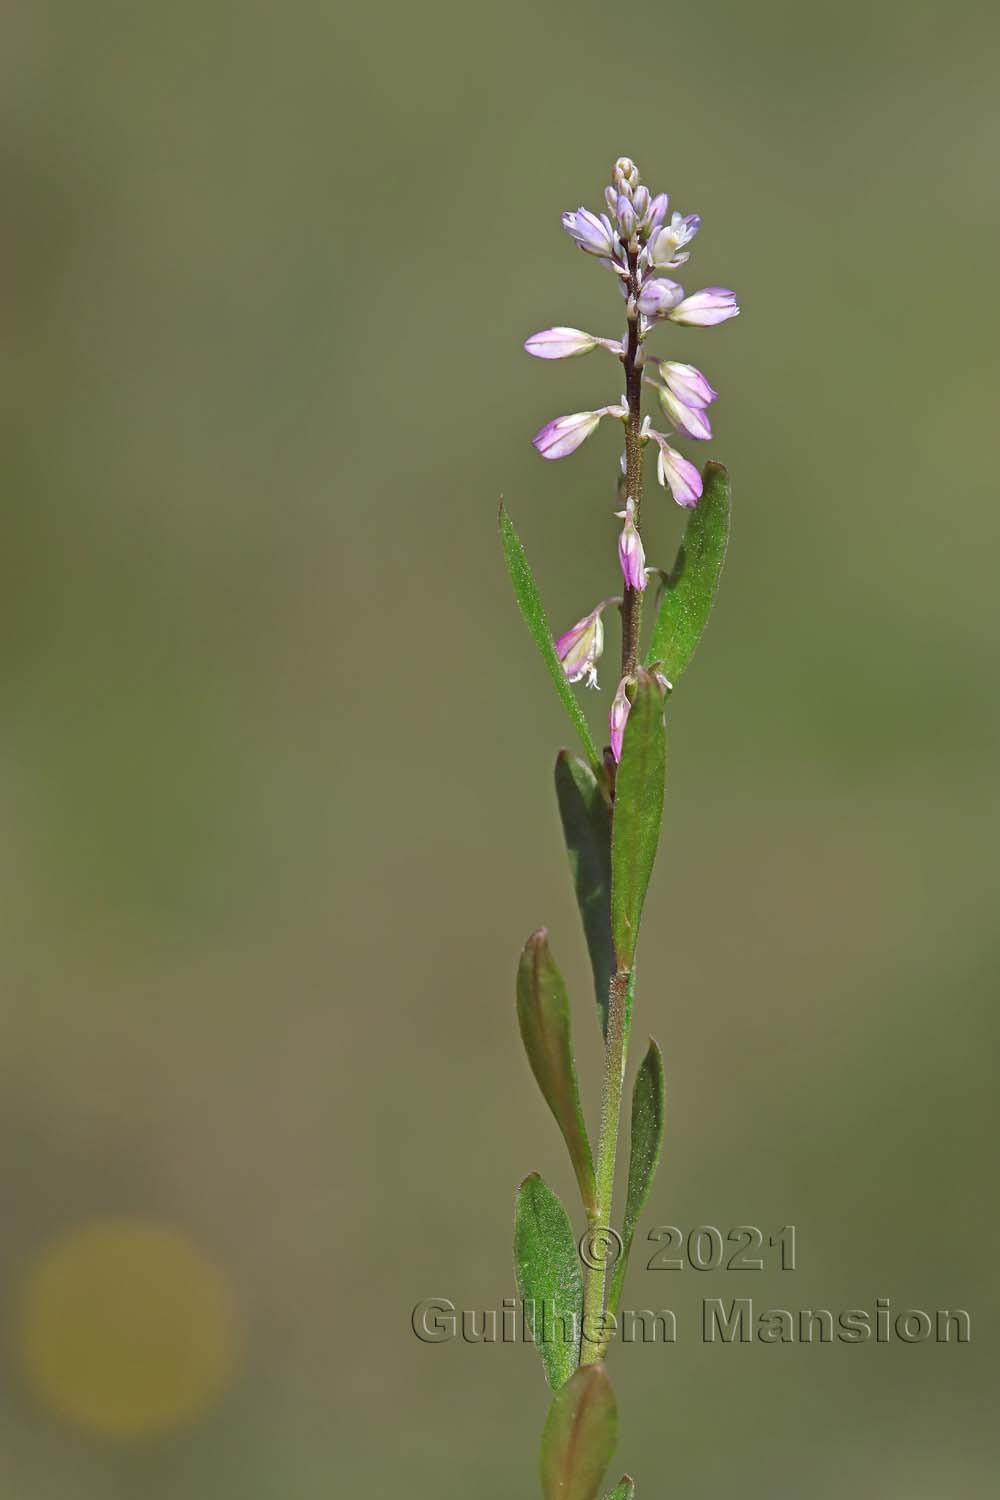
126,1328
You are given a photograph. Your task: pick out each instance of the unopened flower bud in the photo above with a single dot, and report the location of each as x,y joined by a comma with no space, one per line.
626,174
631,555
618,717
640,202
580,648
560,343
658,297
625,214
706,308
657,212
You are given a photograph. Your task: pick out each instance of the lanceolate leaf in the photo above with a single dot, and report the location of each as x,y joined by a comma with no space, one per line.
586,821
637,815
543,1016
530,604
648,1113
624,1490
580,1436
687,602
549,1278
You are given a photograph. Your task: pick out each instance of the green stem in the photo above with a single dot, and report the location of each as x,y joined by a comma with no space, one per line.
615,1053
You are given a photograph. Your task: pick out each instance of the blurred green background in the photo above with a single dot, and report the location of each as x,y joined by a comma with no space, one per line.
276,780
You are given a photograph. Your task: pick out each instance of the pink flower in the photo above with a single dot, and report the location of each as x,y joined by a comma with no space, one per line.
676,473
591,233
687,383
630,550
658,297
714,304
580,648
563,435
692,421
566,343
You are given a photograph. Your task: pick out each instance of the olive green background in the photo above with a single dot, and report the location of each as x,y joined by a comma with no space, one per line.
277,752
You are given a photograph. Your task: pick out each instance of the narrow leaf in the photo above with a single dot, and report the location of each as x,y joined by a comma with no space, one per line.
543,1016
579,1437
637,815
549,1278
530,604
648,1114
586,821
624,1490
687,602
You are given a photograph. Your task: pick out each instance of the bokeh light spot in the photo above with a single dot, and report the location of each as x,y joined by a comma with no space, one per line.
126,1328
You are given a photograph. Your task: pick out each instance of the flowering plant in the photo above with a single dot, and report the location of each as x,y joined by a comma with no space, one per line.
611,807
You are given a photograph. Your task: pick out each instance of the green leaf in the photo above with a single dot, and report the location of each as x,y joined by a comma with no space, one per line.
687,602
648,1113
543,1016
579,1437
549,1277
530,604
638,812
624,1490
586,821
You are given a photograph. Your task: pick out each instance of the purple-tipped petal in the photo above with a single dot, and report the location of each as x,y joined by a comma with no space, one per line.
687,383
618,717
560,343
564,435
658,297
580,648
714,304
631,555
677,473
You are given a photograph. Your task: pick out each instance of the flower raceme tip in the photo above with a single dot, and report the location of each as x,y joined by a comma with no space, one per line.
638,237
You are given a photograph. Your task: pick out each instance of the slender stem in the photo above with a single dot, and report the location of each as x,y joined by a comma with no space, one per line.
620,991
632,605
603,1256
